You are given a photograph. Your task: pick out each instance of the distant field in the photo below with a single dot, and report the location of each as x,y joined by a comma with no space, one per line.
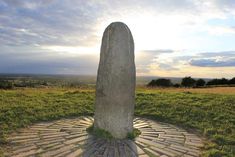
214,90
72,79
199,110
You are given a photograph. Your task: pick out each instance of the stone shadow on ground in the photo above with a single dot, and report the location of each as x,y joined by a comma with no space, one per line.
109,148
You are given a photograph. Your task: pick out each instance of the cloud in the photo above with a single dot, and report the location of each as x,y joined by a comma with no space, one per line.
217,54
214,59
145,58
37,60
68,22
225,5
59,65
221,30
48,23
63,36
28,4
213,63
158,51
168,67
149,60
142,69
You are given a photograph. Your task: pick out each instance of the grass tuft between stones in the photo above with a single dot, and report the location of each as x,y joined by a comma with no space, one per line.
101,133
135,133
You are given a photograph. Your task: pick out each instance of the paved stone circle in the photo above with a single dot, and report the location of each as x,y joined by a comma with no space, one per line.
68,138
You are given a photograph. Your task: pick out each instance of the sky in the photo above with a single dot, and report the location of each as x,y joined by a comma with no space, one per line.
172,38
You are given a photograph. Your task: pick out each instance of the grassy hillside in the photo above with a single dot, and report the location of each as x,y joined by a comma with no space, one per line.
210,115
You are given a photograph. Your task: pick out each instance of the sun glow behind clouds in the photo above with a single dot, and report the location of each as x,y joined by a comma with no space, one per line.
151,31
154,33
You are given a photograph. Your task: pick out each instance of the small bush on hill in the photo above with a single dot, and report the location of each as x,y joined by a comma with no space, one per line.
200,83
222,81
160,83
188,82
232,81
177,85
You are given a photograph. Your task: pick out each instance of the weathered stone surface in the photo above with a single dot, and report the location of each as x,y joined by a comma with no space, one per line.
115,87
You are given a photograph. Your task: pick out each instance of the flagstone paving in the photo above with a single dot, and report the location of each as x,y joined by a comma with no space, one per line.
68,138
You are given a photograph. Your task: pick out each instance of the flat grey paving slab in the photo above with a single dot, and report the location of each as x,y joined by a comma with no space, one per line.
68,138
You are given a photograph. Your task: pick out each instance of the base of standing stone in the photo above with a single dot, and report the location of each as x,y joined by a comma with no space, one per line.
68,138
101,133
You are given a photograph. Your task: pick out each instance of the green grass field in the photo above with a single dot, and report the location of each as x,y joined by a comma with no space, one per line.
209,115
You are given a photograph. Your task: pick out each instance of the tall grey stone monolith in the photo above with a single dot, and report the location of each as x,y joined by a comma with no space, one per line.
115,86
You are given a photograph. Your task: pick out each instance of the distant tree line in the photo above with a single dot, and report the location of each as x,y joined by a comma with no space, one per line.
31,83
6,84
10,84
222,81
190,82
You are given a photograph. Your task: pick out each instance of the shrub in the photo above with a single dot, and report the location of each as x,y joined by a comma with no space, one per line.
214,153
188,82
160,83
222,81
232,81
177,85
200,83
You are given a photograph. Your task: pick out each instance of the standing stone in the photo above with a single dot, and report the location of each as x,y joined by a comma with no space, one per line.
115,86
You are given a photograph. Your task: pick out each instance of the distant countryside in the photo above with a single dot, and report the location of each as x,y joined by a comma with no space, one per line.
26,80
